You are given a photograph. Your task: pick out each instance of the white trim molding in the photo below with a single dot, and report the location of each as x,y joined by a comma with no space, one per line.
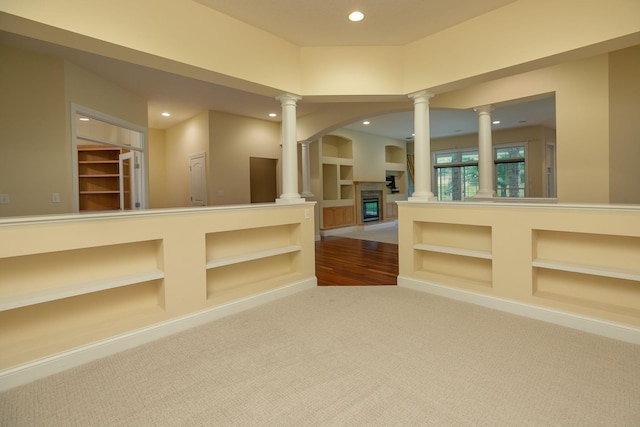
37,369
583,323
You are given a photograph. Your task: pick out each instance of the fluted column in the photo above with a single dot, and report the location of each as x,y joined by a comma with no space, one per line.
422,148
485,155
289,150
306,172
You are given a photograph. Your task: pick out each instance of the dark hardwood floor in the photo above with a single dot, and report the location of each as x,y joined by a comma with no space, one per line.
352,262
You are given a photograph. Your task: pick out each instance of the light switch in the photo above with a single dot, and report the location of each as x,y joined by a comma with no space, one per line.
55,197
4,199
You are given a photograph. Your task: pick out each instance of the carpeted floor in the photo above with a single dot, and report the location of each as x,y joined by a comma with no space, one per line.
349,356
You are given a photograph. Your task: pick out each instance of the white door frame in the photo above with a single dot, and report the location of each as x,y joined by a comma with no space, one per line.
204,195
142,171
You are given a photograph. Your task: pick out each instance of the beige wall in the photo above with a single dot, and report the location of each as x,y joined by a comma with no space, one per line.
248,57
35,151
624,117
158,194
35,136
228,141
368,154
181,141
233,140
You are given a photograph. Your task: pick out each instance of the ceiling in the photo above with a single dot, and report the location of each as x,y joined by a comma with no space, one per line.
325,23
304,23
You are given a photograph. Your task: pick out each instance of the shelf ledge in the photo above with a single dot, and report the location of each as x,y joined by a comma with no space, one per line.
236,259
453,251
76,289
616,273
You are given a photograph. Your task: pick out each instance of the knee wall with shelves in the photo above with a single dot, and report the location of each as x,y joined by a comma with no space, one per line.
578,259
73,280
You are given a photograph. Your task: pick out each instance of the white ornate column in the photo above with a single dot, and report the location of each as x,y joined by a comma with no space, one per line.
485,155
421,148
306,172
289,150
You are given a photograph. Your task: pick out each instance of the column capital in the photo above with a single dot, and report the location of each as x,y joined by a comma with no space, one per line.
288,99
483,109
422,95
305,142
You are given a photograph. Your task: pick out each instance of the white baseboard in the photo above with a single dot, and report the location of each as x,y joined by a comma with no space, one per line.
40,368
570,320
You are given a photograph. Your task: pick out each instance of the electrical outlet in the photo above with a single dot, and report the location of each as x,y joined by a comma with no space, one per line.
55,197
307,214
4,199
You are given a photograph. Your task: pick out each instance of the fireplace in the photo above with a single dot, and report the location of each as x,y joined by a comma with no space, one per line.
371,205
370,209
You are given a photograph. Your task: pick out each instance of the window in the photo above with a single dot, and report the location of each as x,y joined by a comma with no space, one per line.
456,174
510,170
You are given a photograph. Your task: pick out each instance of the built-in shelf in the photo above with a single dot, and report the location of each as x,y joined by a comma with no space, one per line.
76,289
97,162
617,273
453,251
100,192
250,256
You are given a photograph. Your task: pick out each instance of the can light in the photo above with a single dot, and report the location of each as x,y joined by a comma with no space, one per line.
356,16
166,114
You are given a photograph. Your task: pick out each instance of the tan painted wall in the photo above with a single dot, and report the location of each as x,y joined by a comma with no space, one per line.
35,151
181,141
232,141
202,43
523,34
368,154
89,90
582,101
158,194
244,53
624,116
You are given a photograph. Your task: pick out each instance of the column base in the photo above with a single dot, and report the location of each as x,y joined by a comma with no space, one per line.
423,198
307,194
484,194
290,200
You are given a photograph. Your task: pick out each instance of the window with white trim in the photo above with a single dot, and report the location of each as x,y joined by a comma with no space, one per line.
510,161
455,172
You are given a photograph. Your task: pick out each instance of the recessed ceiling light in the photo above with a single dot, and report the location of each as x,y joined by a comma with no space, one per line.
273,115
366,122
84,119
356,16
166,114
496,122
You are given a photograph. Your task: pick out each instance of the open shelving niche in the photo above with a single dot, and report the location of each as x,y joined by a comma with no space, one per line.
232,272
91,300
99,177
453,254
396,166
338,192
570,267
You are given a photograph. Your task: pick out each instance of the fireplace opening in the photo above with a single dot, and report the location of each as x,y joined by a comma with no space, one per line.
370,209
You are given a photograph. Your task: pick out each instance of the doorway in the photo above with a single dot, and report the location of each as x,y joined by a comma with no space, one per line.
109,166
263,179
198,180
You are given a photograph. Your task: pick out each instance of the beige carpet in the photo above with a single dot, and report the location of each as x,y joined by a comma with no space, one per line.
388,233
349,356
